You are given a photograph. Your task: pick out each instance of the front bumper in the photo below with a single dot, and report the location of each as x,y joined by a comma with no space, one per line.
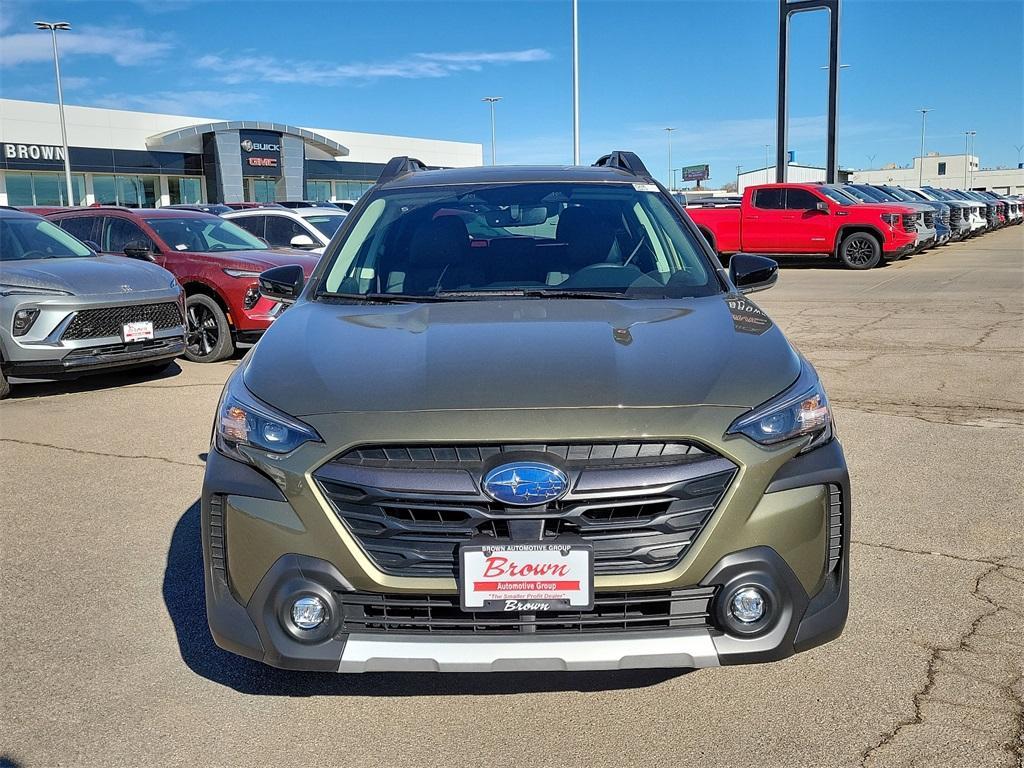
805,612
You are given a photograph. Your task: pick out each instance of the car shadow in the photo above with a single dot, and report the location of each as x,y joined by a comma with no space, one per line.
30,388
184,597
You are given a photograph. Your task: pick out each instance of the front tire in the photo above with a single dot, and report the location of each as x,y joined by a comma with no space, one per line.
209,335
859,250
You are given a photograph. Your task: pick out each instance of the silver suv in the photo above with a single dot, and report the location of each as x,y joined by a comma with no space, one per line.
65,311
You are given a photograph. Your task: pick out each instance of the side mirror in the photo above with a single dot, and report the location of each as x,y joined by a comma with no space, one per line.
282,283
138,249
752,273
302,241
821,206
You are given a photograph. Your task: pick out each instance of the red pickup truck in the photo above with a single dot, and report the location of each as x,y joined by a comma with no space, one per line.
809,219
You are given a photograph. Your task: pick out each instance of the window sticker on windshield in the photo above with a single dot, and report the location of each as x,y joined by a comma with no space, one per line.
645,187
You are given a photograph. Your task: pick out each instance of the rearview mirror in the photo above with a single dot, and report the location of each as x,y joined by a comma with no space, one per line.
517,216
752,273
138,249
282,283
302,241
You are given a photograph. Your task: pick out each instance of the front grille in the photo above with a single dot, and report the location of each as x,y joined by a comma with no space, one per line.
929,219
910,222
368,612
955,214
110,321
640,505
835,526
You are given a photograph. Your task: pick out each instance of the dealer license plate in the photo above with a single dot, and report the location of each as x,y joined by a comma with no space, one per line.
139,331
527,577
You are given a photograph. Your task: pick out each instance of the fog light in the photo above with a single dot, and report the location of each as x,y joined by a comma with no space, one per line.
23,320
748,605
309,612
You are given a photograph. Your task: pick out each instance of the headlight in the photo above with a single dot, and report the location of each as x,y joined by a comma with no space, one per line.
7,289
243,422
892,219
800,410
241,273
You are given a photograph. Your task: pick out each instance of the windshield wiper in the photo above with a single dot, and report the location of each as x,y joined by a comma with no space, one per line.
383,298
540,293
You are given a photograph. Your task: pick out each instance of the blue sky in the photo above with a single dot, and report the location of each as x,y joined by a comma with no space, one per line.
706,68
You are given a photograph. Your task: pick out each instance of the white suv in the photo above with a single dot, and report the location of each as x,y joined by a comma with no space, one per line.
308,228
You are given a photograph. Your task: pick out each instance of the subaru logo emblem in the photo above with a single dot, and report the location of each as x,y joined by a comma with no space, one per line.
525,483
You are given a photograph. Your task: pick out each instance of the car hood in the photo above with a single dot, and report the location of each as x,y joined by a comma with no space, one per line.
89,275
522,353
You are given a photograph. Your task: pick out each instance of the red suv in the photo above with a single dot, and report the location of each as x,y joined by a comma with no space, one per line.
216,262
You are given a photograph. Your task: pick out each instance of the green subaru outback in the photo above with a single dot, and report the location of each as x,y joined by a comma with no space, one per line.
522,419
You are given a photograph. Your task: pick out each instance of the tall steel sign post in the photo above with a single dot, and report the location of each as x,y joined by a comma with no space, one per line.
786,10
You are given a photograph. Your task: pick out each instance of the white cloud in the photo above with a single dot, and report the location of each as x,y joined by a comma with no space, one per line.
195,102
245,68
126,46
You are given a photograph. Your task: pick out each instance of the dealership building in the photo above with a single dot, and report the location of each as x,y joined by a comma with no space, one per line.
961,171
142,159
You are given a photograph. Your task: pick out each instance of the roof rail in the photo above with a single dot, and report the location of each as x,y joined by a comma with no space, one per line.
399,166
624,161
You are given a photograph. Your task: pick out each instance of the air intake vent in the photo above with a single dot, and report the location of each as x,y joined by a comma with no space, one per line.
218,547
835,526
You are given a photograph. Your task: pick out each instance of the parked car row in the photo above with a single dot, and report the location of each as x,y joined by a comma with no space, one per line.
100,288
861,225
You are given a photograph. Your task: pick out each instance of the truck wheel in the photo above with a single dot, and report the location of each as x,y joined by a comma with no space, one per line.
209,335
5,388
860,250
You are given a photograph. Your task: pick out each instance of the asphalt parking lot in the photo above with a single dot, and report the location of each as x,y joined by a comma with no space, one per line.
105,658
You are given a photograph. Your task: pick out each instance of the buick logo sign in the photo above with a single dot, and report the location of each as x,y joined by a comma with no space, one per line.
525,484
254,146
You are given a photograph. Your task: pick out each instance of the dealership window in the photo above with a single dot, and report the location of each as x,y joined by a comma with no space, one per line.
350,190
942,169
318,190
129,191
183,189
263,190
43,189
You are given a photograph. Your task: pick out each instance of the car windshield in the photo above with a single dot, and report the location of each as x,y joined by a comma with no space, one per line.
939,194
32,238
880,195
860,194
327,223
918,195
838,196
532,239
899,194
204,235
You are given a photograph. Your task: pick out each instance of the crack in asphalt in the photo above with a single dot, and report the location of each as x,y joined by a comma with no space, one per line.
85,452
1014,746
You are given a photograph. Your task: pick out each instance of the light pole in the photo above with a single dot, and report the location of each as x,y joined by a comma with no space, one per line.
575,85
738,169
871,160
924,120
492,100
967,154
767,153
52,27
668,135
1018,147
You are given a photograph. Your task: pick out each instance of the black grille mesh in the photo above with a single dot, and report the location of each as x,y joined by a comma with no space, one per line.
218,552
589,453
835,526
109,321
366,612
